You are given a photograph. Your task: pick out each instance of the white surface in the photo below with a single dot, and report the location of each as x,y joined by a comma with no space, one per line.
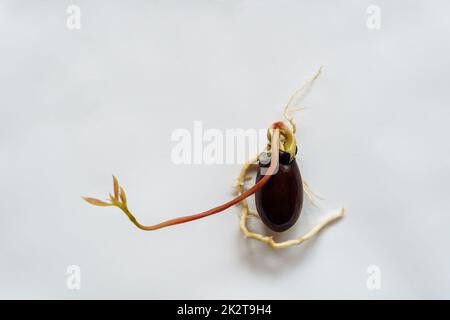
77,106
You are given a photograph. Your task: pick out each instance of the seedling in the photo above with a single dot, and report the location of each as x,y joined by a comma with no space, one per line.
279,189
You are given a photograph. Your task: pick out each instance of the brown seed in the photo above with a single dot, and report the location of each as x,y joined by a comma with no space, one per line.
279,202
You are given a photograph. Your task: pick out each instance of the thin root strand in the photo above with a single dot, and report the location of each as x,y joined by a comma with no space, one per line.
246,213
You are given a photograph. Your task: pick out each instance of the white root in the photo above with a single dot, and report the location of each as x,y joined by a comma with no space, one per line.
313,198
240,188
288,109
246,213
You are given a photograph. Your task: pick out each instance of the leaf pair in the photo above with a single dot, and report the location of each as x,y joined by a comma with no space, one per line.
119,198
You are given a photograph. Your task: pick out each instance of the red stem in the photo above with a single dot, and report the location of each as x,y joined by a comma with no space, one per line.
270,171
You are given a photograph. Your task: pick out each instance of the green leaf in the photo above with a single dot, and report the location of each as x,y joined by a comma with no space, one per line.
123,196
96,202
116,188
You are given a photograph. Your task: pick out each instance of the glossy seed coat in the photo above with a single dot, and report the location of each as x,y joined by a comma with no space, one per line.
279,202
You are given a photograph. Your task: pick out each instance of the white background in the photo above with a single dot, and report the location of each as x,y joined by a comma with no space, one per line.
77,106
